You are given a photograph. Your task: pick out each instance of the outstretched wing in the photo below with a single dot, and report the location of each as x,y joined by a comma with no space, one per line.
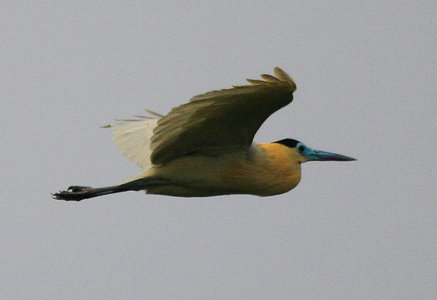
221,120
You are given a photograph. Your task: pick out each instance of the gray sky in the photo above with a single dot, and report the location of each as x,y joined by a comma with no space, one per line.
366,76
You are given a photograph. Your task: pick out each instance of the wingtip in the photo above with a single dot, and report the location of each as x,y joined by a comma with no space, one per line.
283,76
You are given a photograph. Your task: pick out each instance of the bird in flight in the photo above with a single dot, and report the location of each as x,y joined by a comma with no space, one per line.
205,147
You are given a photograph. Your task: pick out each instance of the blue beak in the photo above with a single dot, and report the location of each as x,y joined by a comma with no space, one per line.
325,156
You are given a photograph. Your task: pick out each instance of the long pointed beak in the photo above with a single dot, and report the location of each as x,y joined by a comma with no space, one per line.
324,156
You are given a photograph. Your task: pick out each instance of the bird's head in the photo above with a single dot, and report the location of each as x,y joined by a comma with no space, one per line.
310,154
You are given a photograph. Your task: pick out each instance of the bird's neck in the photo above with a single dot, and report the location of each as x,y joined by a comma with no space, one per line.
282,165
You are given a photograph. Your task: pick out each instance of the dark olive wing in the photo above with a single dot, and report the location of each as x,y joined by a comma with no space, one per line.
220,121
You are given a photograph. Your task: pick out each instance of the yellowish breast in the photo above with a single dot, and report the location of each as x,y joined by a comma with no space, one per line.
274,169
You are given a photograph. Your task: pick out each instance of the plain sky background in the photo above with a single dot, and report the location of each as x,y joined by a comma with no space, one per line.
366,76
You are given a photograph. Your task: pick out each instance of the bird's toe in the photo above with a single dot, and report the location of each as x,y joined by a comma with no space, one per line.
73,193
78,188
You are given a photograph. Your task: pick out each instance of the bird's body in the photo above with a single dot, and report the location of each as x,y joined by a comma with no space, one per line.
263,170
206,148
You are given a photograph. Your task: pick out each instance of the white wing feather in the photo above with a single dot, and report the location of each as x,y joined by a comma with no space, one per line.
132,137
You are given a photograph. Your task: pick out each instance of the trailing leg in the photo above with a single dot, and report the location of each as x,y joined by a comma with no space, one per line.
78,193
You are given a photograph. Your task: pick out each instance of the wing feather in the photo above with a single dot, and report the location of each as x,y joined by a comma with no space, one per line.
220,120
133,136
270,78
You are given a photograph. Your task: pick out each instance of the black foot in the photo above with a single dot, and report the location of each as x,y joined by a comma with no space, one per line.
73,193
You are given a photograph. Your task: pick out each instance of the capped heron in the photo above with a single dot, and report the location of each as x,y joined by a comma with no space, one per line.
205,148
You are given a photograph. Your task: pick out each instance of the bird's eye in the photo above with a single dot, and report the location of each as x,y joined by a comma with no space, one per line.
301,148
